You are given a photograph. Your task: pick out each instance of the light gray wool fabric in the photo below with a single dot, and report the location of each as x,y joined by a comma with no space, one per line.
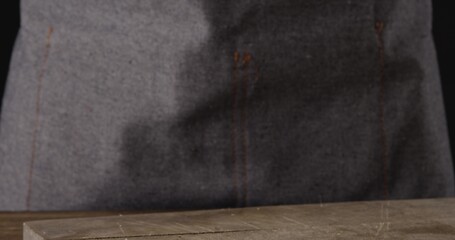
171,104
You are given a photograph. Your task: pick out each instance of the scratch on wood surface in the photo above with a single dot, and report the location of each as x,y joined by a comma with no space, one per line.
368,227
381,224
184,227
121,228
205,229
250,225
387,216
160,235
294,221
37,120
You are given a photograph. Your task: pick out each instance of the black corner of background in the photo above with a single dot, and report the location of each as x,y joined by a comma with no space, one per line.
9,11
444,38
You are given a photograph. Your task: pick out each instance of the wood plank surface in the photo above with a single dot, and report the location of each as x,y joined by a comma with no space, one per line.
411,219
11,223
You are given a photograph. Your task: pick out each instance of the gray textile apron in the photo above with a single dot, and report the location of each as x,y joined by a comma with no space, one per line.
167,104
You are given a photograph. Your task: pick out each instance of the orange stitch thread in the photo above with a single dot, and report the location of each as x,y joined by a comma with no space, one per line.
236,57
246,59
379,27
234,124
37,114
244,114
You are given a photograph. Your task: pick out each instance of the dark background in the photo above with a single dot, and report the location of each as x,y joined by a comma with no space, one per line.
443,29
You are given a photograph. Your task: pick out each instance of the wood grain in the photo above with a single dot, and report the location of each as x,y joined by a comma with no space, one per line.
11,223
405,219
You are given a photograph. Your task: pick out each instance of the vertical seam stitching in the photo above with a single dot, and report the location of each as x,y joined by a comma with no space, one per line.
379,29
37,115
244,115
234,81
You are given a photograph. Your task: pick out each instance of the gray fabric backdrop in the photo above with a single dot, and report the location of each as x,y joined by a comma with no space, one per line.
201,104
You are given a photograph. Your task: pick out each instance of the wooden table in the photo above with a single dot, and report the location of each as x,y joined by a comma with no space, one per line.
404,219
11,222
